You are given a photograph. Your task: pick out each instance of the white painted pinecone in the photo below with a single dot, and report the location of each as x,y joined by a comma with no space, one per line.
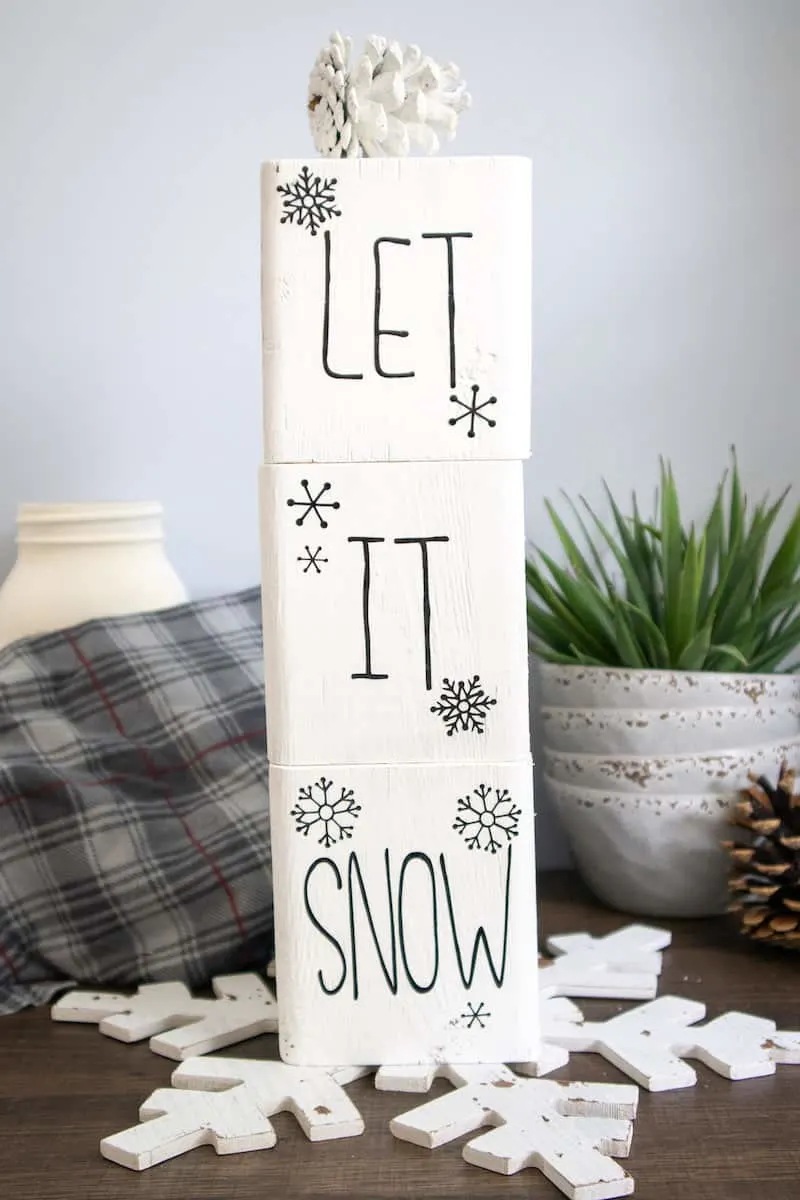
389,99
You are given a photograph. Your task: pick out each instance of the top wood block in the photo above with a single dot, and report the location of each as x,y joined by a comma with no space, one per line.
396,304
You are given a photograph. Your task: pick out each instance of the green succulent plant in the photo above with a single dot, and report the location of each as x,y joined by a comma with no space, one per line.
658,594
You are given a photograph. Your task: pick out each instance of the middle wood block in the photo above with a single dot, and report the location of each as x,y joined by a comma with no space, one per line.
394,612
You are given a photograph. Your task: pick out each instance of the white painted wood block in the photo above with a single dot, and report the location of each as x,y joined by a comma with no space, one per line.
404,639
568,1131
405,921
650,1042
396,315
396,301
177,1023
623,965
420,1077
231,1110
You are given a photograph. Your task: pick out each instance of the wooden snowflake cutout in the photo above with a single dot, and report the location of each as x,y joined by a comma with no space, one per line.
177,1023
229,1106
623,965
568,1131
650,1042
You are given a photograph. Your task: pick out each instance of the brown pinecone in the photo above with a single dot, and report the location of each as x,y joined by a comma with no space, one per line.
766,862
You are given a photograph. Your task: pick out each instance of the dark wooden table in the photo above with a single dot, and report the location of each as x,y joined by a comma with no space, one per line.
63,1087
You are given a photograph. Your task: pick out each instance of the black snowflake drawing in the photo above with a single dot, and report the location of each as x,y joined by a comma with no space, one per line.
463,705
473,410
476,1015
488,818
315,807
312,559
313,504
310,201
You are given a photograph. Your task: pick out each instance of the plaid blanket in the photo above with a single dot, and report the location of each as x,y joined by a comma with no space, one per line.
134,841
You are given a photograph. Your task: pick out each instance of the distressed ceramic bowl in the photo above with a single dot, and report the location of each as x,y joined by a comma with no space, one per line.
680,774
616,687
643,767
646,732
655,855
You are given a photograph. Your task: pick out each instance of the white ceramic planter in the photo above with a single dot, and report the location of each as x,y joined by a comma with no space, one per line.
616,687
649,732
656,856
681,774
644,767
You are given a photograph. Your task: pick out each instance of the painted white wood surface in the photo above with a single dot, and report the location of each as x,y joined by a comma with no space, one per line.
568,1131
441,859
418,1077
623,965
178,1024
388,650
784,1047
396,315
551,1057
455,312
172,1123
650,1042
229,1106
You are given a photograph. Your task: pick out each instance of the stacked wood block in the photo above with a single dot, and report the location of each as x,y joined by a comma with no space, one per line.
396,315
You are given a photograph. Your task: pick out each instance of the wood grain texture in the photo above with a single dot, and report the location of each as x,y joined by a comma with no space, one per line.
365,341
63,1088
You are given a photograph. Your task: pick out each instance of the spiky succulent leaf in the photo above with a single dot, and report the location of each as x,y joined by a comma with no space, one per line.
657,593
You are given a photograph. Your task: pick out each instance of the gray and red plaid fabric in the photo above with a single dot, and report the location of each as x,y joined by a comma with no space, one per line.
134,839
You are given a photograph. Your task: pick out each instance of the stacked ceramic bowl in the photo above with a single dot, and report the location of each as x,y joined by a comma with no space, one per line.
645,766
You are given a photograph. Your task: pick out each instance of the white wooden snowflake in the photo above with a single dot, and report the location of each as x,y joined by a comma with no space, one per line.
227,1103
650,1042
623,965
568,1131
177,1023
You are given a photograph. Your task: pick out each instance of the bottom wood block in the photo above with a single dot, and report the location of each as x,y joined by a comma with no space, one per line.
405,913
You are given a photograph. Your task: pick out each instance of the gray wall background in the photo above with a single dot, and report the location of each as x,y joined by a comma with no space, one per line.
665,139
